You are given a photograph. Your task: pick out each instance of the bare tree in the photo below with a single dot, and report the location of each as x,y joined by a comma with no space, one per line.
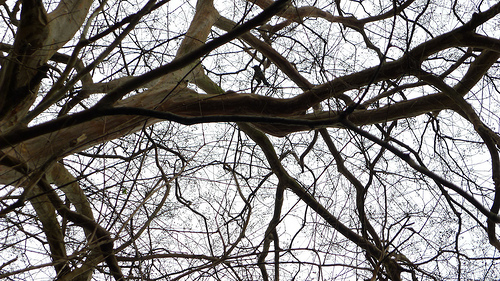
137,141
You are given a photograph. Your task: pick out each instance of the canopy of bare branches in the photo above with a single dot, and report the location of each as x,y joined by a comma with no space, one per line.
249,140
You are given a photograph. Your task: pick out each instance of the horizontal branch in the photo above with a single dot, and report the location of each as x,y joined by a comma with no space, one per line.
235,108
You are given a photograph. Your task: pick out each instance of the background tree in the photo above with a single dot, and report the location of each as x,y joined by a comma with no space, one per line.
134,144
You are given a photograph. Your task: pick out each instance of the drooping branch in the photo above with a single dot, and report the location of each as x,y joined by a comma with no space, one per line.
311,201
412,163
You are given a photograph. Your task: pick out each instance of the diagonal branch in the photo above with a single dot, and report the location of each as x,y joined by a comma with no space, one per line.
178,63
273,160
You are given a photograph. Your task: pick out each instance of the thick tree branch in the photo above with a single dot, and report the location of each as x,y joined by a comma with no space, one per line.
178,63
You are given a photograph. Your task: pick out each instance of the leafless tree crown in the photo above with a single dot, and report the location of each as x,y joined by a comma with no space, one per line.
249,140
